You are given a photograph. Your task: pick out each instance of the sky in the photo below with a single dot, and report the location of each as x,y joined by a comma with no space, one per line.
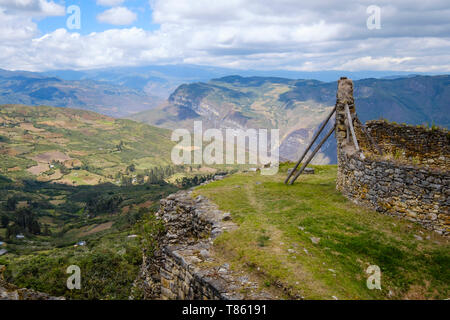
298,35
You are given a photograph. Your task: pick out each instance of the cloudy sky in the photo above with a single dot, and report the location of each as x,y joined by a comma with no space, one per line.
414,35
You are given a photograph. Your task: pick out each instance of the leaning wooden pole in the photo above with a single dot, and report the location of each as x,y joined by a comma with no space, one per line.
350,124
312,155
310,145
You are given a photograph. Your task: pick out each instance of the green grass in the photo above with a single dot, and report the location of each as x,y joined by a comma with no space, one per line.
110,262
276,223
109,265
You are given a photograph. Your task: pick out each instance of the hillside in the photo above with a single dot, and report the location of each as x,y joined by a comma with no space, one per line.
47,143
30,88
308,241
297,107
77,187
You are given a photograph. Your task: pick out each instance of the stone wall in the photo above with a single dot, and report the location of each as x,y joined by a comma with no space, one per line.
409,179
406,191
184,266
415,144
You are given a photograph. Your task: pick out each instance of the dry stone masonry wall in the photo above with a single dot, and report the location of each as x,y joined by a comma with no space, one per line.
417,194
184,266
410,177
415,144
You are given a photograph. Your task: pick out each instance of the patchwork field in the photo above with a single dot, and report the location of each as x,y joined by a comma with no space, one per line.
37,141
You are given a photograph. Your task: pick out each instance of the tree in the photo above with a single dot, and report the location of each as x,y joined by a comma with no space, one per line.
5,221
103,204
35,227
27,222
12,230
47,231
11,203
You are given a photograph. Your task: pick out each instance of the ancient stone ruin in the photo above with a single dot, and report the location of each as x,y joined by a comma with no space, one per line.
183,267
395,169
399,170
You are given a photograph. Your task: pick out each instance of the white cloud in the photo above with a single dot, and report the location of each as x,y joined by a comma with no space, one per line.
15,29
370,63
110,3
117,16
260,34
33,7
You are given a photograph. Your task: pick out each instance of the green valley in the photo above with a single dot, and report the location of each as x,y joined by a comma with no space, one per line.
76,188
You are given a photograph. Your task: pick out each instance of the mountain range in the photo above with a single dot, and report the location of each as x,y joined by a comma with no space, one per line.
30,88
297,107
175,96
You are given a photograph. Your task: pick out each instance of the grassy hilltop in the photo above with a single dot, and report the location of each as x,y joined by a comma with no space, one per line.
307,240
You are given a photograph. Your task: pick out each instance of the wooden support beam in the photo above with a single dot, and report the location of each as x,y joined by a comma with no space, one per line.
347,131
310,145
313,154
350,124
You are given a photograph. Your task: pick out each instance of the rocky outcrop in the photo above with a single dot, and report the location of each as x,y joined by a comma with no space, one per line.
184,266
11,292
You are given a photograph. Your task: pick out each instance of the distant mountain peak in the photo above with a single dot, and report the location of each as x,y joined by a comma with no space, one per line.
297,107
